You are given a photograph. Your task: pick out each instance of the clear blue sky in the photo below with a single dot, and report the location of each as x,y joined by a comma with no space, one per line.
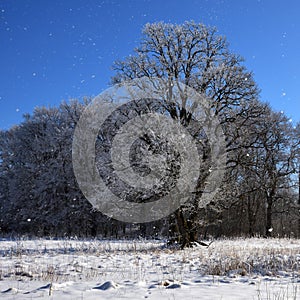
62,49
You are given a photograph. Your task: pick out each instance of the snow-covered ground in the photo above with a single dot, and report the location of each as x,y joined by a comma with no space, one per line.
72,269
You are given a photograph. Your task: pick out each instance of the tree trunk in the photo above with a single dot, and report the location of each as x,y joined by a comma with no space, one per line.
269,216
251,217
184,230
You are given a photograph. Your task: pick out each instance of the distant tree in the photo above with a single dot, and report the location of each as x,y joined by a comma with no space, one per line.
297,138
40,194
274,163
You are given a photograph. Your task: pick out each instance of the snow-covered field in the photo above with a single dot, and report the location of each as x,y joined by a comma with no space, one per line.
73,269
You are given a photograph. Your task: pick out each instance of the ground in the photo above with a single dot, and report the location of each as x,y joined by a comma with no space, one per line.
140,269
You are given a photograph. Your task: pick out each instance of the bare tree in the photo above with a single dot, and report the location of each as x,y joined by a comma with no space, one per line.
274,161
200,58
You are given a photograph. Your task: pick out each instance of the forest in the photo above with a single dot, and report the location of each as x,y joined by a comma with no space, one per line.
260,190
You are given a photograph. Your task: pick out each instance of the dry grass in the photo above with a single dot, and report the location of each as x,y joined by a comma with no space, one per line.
72,260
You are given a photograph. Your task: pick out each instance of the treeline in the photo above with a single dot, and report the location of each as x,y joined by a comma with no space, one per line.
39,194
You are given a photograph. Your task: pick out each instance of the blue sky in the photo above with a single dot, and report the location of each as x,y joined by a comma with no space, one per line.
55,50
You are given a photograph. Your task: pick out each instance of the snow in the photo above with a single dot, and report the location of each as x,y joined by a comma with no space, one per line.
141,269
